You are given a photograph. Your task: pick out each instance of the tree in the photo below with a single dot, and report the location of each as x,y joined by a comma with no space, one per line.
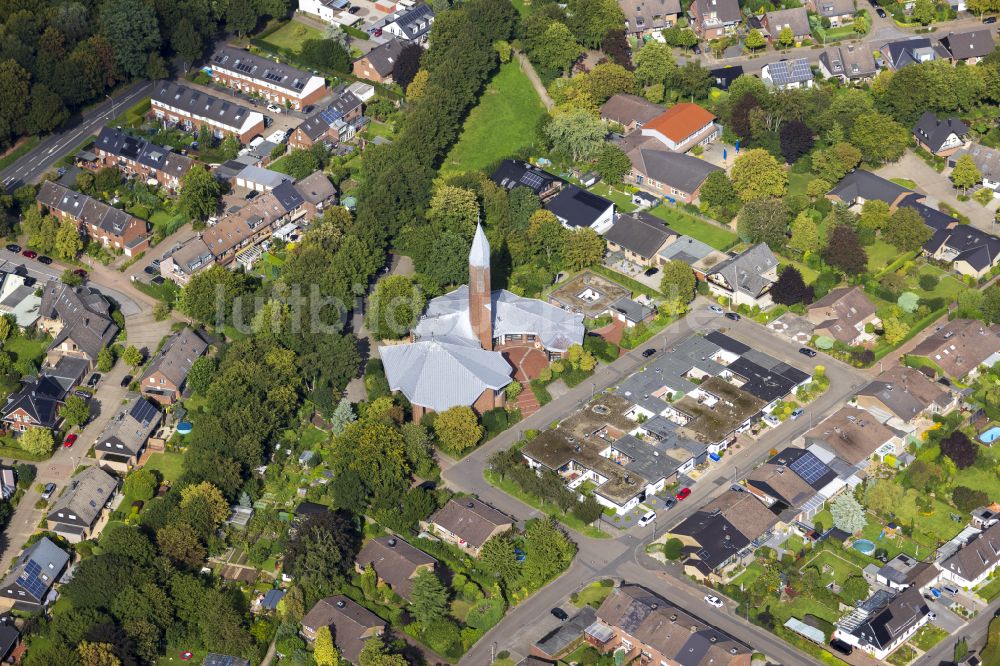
105,359
843,250
582,248
131,28
790,288
718,194
848,514
75,411
692,80
860,25
763,221
320,553
407,64
325,54
187,41
499,557
879,138
673,549
201,373
967,499
612,164
97,654
394,307
324,651
107,179
874,216
376,653
655,64
200,194
894,329
141,484
304,161
960,449
796,140
617,48
805,234
37,441
428,598
786,37
590,20
883,496
678,281
831,164
754,40
965,174
605,80
923,11
204,498
458,429
576,133
757,175
132,356
180,543
854,589
924,476
906,230
416,89
557,49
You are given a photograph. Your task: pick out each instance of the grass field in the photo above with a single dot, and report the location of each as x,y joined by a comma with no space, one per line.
927,637
27,348
832,567
880,255
169,464
503,123
291,35
623,201
682,223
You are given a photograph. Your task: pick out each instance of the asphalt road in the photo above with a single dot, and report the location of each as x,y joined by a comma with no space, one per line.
974,632
624,557
43,156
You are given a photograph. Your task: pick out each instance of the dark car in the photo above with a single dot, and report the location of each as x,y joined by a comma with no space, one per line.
252,194
990,19
559,614
30,254
648,352
354,10
650,272
669,503
732,315
881,12
44,260
29,281
94,380
841,646
126,380
13,247
149,270
696,49
805,351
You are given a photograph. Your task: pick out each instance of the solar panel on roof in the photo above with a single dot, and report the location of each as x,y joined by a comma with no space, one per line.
31,581
532,180
809,467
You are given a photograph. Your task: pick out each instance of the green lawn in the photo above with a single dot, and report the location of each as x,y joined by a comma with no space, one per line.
706,232
982,475
568,519
502,123
832,567
291,35
991,590
902,656
905,182
22,347
593,595
927,637
623,201
880,255
165,222
948,285
168,463
797,182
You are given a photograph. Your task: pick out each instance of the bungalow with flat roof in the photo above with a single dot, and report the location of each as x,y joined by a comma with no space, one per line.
468,523
843,315
639,237
377,64
167,373
972,564
900,396
839,12
675,176
124,439
957,349
722,77
854,436
987,160
711,19
629,111
850,63
969,250
745,279
28,585
578,208
260,179
350,623
860,186
970,46
885,621
647,17
396,562
942,137
682,127
80,512
796,19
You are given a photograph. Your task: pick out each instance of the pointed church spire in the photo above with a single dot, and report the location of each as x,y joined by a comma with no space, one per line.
479,255
480,316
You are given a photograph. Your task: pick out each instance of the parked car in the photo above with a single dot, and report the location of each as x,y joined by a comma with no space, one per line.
797,412
49,489
881,12
733,316
252,194
126,380
990,19
274,108
94,380
950,589
648,352
650,272
669,503
149,270
771,420
44,260
842,647
647,518
716,309
70,440
560,614
378,32
155,263
80,393
713,601
811,353
14,247
683,493
30,254
354,10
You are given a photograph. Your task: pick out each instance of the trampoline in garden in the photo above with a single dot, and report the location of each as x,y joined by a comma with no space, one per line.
864,546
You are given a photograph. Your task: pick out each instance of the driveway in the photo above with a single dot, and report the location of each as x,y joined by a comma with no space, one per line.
938,188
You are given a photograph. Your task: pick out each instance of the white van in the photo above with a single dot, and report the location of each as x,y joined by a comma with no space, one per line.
647,518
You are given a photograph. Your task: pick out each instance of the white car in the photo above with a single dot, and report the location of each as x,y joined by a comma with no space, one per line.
278,137
647,518
771,420
716,309
274,108
713,601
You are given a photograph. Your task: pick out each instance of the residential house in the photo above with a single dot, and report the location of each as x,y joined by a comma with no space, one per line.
192,109
959,347
396,562
121,445
109,226
860,186
901,396
563,639
912,50
983,517
325,10
647,17
261,179
675,176
715,18
35,405
723,532
682,127
377,64
795,481
18,299
253,222
651,630
941,137
987,160
850,63
629,111
30,580
839,12
167,372
338,122
410,23
182,261
10,641
904,571
81,511
843,314
696,254
788,74
854,436
515,173
350,623
746,279
317,192
468,523
969,250
276,82
79,319
723,76
797,19
881,624
135,156
639,237
577,208
969,47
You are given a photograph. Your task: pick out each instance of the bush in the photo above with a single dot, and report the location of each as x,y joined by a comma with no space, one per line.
928,282
967,499
485,614
672,549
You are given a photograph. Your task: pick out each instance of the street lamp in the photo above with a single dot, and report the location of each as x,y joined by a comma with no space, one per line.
112,100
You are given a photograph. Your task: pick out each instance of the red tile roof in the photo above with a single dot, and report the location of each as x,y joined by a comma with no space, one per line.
680,121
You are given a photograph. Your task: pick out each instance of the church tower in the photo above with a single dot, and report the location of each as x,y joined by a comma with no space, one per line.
480,315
